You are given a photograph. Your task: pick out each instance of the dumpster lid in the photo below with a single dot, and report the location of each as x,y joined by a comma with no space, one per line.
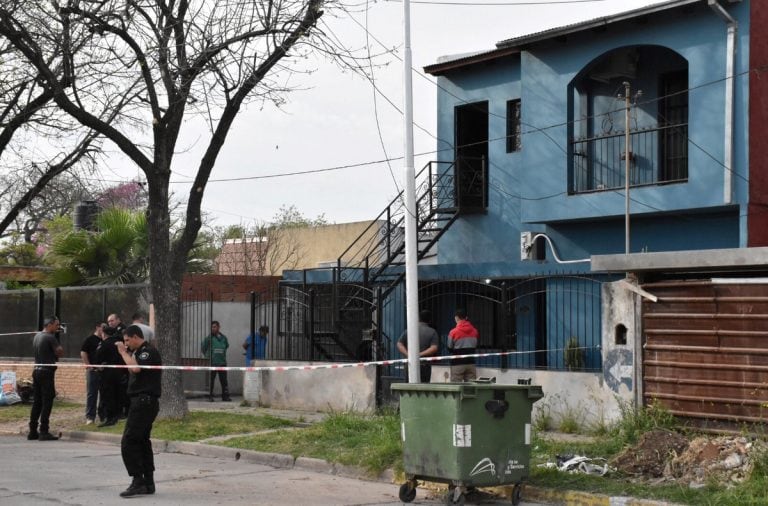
534,391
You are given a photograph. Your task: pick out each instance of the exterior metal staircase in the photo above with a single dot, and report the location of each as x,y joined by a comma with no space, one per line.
377,256
373,266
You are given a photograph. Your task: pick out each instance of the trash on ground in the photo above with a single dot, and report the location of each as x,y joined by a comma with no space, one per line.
579,464
8,395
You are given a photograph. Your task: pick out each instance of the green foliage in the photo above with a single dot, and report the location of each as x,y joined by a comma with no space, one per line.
291,217
575,355
19,253
199,425
569,422
369,441
542,419
636,421
116,254
20,412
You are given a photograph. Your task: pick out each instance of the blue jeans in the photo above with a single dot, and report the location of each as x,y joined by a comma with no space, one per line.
92,382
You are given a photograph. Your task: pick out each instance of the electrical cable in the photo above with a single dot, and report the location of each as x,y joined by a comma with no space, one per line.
499,4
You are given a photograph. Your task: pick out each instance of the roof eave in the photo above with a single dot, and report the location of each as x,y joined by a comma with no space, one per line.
437,69
592,24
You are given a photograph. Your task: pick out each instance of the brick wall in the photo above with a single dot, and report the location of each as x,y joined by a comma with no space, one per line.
70,381
225,288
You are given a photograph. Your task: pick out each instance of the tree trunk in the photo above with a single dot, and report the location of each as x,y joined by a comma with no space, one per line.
165,280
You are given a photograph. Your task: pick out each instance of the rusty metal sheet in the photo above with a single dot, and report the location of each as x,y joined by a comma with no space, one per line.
705,349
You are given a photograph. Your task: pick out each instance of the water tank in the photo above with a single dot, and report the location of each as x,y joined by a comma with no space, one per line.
85,215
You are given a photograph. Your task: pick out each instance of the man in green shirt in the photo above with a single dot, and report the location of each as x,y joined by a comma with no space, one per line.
214,348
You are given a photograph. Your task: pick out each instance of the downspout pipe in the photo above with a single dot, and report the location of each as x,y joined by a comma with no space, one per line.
732,29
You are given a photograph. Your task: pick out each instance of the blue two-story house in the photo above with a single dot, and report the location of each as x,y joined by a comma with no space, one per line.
633,135
624,135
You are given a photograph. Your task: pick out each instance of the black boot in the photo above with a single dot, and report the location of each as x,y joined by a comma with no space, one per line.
225,396
149,482
137,487
46,436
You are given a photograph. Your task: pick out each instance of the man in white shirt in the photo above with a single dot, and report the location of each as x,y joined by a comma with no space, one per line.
149,332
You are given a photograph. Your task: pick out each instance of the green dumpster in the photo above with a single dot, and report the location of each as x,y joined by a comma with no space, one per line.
475,434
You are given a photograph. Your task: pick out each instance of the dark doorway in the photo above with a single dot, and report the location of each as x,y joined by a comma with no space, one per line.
471,157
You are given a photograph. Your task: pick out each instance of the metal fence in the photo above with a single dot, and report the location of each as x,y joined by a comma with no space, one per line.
656,155
553,321
79,308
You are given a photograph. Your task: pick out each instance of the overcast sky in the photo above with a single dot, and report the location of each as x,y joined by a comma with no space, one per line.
332,121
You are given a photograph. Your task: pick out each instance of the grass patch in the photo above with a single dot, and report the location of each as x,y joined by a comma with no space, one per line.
754,491
20,411
198,425
369,441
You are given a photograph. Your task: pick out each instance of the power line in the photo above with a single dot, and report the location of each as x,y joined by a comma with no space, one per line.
500,4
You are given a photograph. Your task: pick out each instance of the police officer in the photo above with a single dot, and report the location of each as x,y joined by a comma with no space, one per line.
111,387
47,352
144,392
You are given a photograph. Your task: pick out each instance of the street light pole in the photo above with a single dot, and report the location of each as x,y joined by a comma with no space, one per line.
411,259
627,165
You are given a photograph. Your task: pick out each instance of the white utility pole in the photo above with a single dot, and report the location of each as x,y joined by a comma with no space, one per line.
411,258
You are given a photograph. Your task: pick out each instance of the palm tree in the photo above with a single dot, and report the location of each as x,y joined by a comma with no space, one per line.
117,253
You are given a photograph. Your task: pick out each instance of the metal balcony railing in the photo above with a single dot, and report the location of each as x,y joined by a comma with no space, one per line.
657,155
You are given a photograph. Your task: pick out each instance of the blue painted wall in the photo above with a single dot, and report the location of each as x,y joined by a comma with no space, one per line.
528,190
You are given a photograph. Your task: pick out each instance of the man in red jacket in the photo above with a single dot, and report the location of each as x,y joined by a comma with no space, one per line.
462,340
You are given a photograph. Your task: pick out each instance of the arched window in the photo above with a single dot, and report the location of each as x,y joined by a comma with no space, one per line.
658,125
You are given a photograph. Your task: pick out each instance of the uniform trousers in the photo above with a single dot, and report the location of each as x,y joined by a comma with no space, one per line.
44,390
136,447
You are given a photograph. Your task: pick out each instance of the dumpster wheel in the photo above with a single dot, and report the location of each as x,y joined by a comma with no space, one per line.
407,491
517,491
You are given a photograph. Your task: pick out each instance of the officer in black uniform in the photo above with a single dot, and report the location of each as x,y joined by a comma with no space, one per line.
144,392
110,388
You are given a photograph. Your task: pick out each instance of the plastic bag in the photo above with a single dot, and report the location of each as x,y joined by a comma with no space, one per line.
8,395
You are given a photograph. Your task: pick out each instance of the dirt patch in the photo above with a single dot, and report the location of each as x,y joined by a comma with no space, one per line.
649,457
665,456
724,459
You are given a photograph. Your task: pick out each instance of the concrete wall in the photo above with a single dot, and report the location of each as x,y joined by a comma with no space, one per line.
352,388
581,396
622,362
313,246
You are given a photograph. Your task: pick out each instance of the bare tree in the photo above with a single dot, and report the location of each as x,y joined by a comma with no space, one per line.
264,248
38,144
170,59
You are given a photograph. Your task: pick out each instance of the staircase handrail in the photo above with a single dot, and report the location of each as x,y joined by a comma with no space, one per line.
372,245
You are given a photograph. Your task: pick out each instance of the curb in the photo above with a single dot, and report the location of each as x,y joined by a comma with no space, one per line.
276,460
577,498
282,461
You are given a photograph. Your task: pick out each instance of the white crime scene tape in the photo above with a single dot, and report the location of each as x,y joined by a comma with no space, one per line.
298,367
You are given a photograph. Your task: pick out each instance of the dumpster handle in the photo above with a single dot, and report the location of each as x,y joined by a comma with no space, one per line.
468,392
497,407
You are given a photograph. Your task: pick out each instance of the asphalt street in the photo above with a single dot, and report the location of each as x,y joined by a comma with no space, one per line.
87,473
